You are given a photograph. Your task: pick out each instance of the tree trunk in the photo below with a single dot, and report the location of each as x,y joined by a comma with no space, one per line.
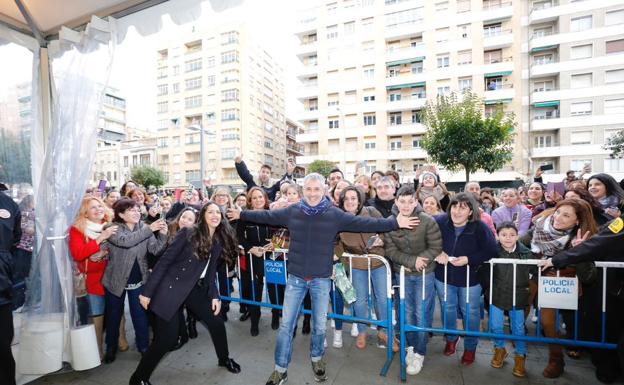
467,173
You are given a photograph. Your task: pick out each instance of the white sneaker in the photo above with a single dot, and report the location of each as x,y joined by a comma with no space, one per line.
416,365
325,342
409,357
332,324
337,343
354,330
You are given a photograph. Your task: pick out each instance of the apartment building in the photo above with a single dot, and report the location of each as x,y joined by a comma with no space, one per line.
368,68
218,81
111,131
576,72
294,149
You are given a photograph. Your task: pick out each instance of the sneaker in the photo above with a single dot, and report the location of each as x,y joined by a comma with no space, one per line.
337,343
277,378
416,364
318,367
354,330
409,358
332,323
325,342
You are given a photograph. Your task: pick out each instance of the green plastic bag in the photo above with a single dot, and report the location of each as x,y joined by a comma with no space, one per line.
343,283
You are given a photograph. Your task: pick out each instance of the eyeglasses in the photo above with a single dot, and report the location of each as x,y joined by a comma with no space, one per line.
134,210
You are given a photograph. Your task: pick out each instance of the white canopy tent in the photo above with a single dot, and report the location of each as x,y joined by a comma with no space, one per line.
72,42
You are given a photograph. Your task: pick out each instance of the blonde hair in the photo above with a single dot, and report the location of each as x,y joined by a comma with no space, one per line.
223,190
368,181
81,218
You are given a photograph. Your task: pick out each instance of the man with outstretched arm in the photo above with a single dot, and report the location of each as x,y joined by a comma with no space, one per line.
313,224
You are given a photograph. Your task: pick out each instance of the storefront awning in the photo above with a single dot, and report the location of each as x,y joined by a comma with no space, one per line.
498,101
404,61
554,103
497,74
408,85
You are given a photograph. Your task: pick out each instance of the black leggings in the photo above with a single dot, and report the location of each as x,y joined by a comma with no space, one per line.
166,333
7,363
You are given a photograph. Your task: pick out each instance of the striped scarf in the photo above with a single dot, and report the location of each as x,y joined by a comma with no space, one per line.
547,240
323,206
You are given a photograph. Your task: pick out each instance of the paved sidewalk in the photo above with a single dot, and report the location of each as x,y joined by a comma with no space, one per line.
196,363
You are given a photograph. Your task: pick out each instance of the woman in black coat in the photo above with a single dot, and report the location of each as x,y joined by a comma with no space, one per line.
186,275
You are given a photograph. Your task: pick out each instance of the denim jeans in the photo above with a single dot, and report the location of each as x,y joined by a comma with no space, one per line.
456,307
338,305
415,314
115,309
296,289
516,319
377,296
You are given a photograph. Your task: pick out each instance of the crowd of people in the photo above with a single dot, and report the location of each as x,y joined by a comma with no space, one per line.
173,256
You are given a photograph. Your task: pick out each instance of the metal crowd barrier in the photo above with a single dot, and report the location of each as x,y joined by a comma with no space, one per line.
273,255
404,327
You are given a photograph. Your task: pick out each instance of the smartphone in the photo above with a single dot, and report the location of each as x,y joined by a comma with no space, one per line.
514,217
546,167
558,187
371,241
102,185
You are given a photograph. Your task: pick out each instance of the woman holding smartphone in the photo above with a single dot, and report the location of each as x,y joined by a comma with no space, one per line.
185,275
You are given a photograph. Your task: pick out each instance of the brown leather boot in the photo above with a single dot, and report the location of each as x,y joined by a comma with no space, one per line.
98,323
555,365
499,357
122,342
518,369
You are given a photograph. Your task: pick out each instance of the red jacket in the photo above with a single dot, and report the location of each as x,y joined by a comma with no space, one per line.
81,250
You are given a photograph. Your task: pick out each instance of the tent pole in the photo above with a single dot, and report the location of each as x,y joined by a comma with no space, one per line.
45,92
31,23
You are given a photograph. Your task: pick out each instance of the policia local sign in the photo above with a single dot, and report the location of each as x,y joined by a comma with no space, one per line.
558,293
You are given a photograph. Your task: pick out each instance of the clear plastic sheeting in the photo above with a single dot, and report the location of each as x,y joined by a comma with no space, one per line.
79,68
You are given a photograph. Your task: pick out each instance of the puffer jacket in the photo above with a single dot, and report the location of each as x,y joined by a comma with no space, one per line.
403,246
125,247
502,293
355,243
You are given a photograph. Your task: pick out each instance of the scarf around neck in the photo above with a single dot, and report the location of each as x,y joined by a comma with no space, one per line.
546,239
93,230
323,206
426,192
609,201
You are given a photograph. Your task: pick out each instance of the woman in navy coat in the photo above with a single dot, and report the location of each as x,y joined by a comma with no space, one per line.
185,275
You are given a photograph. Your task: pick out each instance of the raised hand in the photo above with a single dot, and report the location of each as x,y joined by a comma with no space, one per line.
580,238
407,222
233,213
105,234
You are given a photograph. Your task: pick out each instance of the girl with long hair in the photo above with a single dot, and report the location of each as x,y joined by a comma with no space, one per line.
186,275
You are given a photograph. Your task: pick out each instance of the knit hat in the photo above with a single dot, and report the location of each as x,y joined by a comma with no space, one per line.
424,174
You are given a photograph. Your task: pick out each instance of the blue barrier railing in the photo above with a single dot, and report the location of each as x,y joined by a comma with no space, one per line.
405,328
369,320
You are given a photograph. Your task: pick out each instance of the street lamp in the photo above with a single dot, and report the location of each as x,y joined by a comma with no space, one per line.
202,131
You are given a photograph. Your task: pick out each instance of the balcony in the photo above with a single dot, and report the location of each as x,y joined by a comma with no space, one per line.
497,10
306,91
407,102
405,129
493,39
404,29
310,135
407,52
297,149
306,48
545,12
501,92
395,82
573,150
545,66
308,115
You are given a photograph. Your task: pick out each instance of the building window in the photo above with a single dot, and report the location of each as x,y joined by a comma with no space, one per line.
368,72
230,114
193,65
395,144
494,56
580,23
543,141
333,123
163,124
193,101
492,30
162,89
332,32
349,28
369,98
193,83
614,76
370,119
581,81
614,17
615,46
542,31
582,108
229,95
543,85
581,137
370,145
444,90
176,88
463,6
176,159
464,83
581,51
614,106
417,67
126,162
415,116
229,57
395,118
394,96
416,141
464,57
162,107
161,73
443,60
442,35
542,59
230,37
441,6
228,153
580,164
614,165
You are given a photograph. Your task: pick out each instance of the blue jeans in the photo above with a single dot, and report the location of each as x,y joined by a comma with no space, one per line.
115,309
456,307
415,314
516,318
296,289
338,305
362,294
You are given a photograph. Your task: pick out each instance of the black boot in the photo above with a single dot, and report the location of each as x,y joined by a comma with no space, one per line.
230,365
245,316
306,325
191,324
182,340
136,381
275,321
110,355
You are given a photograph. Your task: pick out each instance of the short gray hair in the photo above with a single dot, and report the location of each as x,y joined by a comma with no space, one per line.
314,176
471,182
387,180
